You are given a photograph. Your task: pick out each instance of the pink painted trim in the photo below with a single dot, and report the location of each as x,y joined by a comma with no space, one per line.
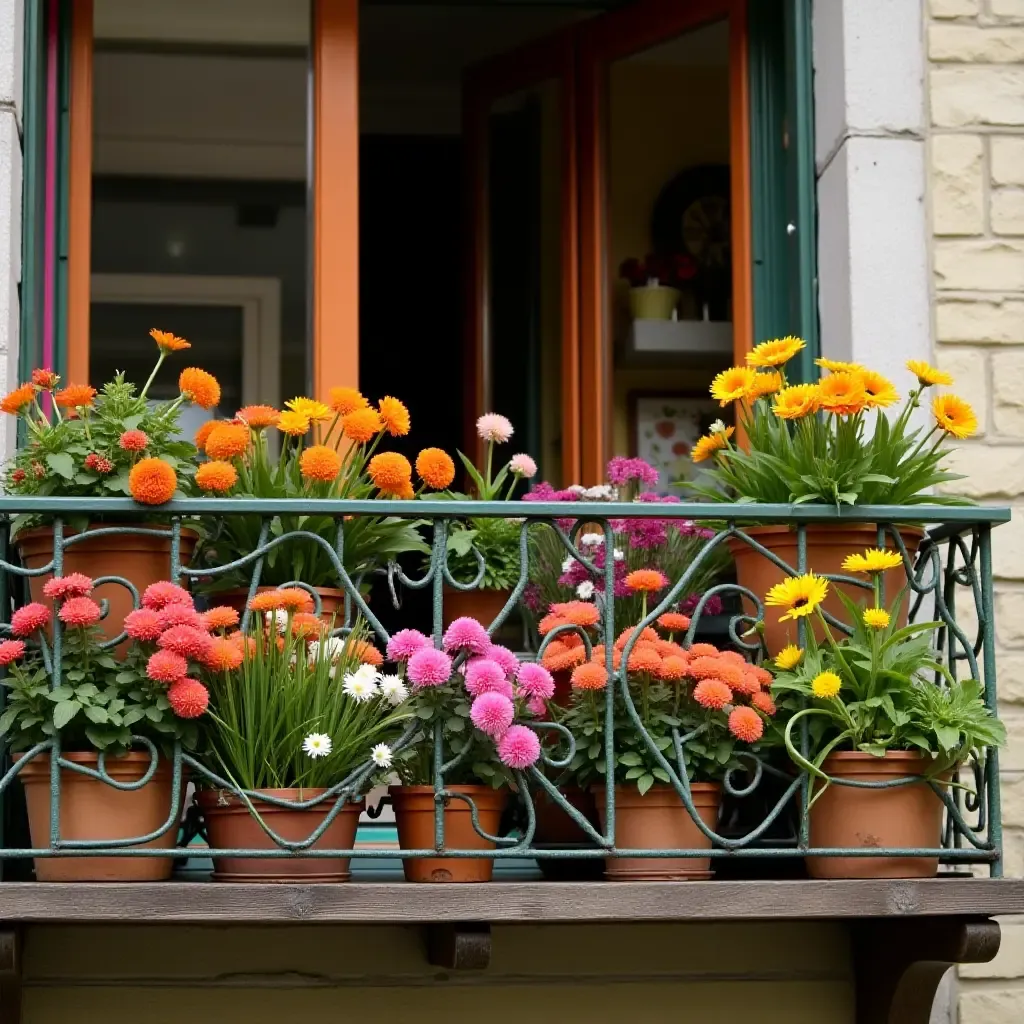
50,191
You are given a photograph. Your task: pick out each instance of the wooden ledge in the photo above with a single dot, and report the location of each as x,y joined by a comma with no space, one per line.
506,902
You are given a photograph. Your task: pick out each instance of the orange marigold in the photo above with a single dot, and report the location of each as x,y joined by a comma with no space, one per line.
646,580
746,724
395,416
712,693
216,476
259,416
221,655
579,613
169,342
763,702
152,482
203,433
747,684
707,667
306,624
45,378
559,656
668,649
673,622
762,675
435,468
589,676
227,440
673,668
246,644
366,653
220,617
703,651
389,471
75,396
406,492
199,387
624,637
734,656
320,462
346,400
362,425
294,599
17,399
551,621
644,658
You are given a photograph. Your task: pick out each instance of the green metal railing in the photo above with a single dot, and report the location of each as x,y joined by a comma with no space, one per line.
953,567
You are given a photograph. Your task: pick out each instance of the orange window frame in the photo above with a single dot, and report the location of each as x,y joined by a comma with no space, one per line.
335,181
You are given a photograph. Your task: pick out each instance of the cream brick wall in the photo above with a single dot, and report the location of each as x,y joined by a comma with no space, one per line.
975,85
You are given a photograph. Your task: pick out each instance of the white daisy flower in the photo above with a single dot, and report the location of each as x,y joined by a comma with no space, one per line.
361,685
592,540
335,647
718,427
317,744
381,755
600,492
279,619
392,689
585,591
619,554
568,564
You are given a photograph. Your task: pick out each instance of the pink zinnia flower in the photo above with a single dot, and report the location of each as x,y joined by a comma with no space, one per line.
187,641
180,615
159,595
505,658
143,624
522,465
494,427
492,714
405,643
535,681
75,585
11,650
80,611
188,698
133,440
429,667
166,667
25,621
519,747
483,675
537,707
466,634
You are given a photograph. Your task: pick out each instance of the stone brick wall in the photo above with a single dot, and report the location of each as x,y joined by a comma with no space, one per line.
975,87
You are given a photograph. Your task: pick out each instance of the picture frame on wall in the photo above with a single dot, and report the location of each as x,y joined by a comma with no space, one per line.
664,426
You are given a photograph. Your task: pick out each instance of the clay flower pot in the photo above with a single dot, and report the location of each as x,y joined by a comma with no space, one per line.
482,605
659,820
332,601
414,816
141,559
827,547
90,809
851,816
230,825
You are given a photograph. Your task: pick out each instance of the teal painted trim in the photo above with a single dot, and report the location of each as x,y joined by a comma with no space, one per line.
60,320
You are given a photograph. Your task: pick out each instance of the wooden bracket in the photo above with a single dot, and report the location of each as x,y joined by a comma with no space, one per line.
457,947
10,976
898,964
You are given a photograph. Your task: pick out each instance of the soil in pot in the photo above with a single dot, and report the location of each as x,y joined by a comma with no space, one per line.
230,825
332,601
850,816
414,816
659,820
556,830
827,547
93,810
141,559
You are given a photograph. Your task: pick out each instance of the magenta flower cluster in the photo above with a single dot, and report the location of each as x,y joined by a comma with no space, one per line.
622,471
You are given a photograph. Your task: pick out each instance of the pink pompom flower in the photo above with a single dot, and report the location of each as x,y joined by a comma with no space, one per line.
25,621
133,441
505,658
159,595
143,624
80,611
429,667
492,714
466,634
405,643
180,615
189,642
519,747
494,427
537,707
166,667
76,584
11,650
188,698
522,465
535,681
483,676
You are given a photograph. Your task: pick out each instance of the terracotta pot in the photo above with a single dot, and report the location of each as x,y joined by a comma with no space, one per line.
414,816
332,601
230,825
658,820
827,547
92,810
482,605
556,829
140,559
849,816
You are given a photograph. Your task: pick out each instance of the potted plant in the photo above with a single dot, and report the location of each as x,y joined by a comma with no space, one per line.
101,711
470,701
714,699
80,443
483,553
325,451
884,711
653,281
832,442
298,721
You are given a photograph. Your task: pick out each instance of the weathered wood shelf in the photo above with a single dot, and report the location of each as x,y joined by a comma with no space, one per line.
506,902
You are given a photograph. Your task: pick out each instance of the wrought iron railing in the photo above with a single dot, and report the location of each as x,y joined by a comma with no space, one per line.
949,580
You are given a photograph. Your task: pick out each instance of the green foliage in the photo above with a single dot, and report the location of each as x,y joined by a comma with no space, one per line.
497,543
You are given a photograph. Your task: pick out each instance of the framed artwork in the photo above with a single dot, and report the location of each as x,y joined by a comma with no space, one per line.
664,428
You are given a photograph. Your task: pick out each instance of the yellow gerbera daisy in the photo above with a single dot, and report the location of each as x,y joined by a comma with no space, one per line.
733,384
766,384
711,443
954,416
789,657
826,685
876,618
873,561
293,423
838,366
796,401
800,595
842,393
880,391
314,411
776,352
928,375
